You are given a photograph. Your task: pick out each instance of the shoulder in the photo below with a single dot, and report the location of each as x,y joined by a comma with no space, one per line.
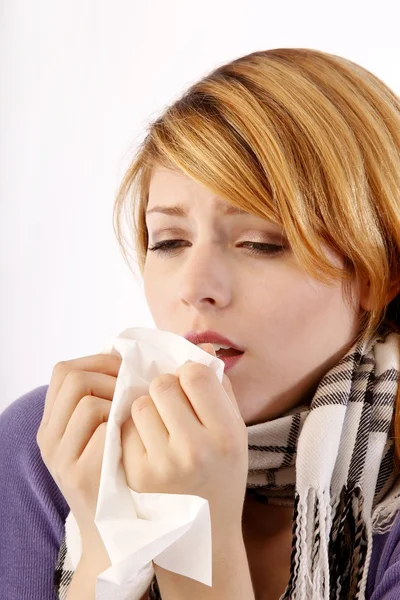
22,417
19,424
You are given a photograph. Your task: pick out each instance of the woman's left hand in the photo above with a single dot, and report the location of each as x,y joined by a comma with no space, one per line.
186,438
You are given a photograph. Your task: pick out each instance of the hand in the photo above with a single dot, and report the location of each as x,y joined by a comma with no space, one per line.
71,435
186,438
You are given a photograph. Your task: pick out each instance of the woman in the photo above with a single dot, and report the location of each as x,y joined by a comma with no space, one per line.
267,210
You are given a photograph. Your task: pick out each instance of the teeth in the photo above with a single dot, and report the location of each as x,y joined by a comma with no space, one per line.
219,346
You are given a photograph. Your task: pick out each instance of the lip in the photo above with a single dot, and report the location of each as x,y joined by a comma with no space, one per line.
230,361
212,337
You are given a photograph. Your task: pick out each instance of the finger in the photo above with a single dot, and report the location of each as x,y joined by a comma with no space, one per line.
76,385
149,424
212,401
91,412
108,364
93,452
133,450
174,408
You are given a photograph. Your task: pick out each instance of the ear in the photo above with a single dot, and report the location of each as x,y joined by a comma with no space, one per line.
365,294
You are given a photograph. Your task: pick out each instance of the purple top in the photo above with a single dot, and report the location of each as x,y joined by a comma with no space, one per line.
33,513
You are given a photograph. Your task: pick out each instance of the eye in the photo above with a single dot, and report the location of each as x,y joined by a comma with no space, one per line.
257,248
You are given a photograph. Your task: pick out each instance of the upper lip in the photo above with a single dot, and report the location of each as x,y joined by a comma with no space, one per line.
211,337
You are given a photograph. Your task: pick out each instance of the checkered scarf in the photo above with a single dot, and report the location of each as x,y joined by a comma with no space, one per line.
333,461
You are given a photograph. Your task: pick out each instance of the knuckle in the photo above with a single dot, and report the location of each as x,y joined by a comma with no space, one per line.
75,377
163,383
60,369
99,435
140,404
45,447
88,403
60,365
44,442
39,437
102,428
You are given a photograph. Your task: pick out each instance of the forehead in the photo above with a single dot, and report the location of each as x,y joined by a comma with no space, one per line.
170,189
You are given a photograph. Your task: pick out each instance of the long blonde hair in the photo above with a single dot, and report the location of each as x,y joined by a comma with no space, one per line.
304,138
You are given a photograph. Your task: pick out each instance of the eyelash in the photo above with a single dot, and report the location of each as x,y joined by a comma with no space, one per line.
258,248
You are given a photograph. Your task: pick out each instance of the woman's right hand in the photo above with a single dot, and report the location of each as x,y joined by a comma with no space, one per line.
71,435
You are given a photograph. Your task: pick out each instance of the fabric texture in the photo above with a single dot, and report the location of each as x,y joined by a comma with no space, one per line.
33,509
333,461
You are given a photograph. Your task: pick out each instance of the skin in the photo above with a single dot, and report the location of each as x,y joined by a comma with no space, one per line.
293,328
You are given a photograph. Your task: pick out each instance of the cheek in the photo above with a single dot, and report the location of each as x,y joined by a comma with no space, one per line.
294,303
151,285
282,297
316,311
156,288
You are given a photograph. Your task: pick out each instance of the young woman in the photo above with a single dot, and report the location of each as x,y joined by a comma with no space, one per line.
266,215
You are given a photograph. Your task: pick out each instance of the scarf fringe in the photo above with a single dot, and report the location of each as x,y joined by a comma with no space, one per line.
330,557
383,518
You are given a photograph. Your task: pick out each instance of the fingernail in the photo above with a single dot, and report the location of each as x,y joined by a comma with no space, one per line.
207,347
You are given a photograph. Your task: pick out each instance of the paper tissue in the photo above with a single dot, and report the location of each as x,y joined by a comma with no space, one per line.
173,530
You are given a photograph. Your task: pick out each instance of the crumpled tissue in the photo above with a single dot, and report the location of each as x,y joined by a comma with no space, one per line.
172,530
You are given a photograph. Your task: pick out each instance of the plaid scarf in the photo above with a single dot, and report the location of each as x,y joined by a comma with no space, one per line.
333,461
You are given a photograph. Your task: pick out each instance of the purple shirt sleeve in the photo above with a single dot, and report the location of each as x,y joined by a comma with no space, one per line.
384,573
33,510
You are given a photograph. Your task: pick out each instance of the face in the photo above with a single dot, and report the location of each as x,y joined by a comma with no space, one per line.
293,328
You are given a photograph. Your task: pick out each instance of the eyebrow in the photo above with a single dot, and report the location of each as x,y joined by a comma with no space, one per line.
179,211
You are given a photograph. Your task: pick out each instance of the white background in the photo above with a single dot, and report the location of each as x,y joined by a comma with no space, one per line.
79,81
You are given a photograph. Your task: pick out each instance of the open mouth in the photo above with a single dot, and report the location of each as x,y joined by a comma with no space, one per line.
228,352
230,357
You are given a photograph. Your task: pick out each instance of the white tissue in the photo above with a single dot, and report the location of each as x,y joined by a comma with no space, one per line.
173,530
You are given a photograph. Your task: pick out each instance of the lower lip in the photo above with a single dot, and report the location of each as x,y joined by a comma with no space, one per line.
230,361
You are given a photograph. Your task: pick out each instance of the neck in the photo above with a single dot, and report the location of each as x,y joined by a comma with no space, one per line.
265,520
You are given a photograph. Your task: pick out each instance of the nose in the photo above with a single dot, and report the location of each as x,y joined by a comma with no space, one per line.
205,278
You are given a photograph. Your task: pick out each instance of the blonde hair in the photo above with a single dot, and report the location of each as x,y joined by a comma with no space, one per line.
303,138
